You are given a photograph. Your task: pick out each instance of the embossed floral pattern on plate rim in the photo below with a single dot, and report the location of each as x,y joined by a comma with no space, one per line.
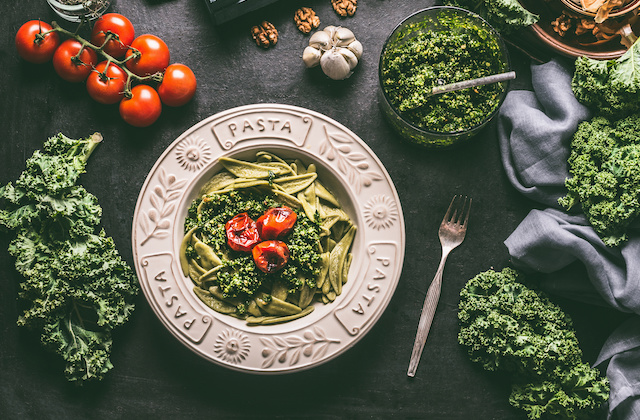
365,189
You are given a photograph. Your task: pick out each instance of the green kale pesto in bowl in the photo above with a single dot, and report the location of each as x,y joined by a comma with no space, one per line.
435,47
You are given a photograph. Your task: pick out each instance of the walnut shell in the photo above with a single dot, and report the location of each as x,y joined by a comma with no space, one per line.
265,34
345,8
306,19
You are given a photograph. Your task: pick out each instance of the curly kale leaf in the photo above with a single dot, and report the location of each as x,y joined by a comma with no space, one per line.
578,394
609,87
605,168
86,352
76,288
80,291
46,196
509,327
506,16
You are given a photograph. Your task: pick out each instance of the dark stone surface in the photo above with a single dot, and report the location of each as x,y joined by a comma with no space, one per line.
156,376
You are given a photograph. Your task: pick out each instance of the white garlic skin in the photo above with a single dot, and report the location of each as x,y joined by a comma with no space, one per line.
330,30
343,37
349,57
311,56
320,40
334,65
356,48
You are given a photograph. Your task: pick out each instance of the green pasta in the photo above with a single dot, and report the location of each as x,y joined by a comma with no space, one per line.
227,280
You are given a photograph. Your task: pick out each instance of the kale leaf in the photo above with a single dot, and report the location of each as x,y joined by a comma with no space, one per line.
509,327
609,87
605,168
76,288
575,395
505,16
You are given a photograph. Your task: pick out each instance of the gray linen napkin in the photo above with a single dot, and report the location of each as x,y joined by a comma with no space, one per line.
535,131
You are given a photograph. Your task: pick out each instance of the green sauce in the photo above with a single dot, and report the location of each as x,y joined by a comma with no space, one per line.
239,277
427,54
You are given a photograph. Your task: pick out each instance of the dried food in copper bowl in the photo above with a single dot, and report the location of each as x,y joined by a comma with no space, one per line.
571,31
601,10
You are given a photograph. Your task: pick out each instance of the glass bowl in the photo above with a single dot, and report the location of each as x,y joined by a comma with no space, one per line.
439,121
78,10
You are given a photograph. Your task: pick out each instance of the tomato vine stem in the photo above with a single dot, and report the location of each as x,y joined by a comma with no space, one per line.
131,77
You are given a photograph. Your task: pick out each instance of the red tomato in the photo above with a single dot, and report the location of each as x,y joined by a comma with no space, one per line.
35,43
143,108
154,55
120,27
242,234
276,223
72,62
106,83
270,256
178,85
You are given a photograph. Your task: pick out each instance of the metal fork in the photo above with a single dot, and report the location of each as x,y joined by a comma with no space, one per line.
452,231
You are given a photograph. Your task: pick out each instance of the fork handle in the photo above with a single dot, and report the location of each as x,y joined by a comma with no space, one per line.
426,317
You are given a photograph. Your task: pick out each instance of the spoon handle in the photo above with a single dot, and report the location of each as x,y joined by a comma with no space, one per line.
495,78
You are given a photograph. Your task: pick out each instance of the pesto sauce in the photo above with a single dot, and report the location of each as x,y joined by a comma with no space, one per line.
427,54
239,276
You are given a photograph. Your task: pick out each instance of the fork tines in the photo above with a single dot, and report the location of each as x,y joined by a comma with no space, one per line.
456,213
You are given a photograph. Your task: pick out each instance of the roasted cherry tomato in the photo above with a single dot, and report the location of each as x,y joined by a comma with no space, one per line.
122,34
242,234
143,107
270,256
276,223
178,85
106,83
72,62
35,43
154,55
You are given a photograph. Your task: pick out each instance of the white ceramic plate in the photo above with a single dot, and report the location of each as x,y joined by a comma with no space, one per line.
345,165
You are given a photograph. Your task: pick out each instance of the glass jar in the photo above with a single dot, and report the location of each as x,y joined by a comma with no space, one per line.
77,10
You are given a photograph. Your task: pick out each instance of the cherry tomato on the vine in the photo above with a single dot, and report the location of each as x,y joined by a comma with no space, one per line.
35,43
270,256
122,30
106,83
154,55
178,85
72,62
276,223
143,108
242,234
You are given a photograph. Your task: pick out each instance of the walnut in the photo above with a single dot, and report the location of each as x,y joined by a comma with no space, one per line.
265,34
306,19
345,7
562,24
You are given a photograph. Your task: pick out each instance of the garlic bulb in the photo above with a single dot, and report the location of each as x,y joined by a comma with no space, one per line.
335,49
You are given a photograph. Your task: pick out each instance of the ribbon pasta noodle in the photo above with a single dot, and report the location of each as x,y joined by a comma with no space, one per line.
320,242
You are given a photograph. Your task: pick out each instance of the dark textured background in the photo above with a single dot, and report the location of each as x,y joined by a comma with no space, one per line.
156,376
